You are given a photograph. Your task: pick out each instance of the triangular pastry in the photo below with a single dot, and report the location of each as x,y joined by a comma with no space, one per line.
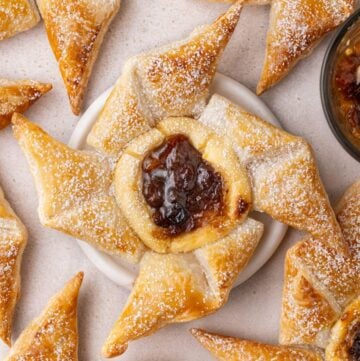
18,96
345,336
13,237
171,81
282,169
17,16
75,195
226,348
320,281
296,27
76,30
54,334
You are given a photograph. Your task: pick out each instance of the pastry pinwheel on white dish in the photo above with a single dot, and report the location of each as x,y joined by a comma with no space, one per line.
321,301
295,29
173,182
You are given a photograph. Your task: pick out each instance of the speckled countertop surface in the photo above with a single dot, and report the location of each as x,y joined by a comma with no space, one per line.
51,258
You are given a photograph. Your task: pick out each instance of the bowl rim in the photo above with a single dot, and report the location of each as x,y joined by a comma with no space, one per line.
325,74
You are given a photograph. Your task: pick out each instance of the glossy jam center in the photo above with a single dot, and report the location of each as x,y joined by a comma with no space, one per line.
181,187
355,348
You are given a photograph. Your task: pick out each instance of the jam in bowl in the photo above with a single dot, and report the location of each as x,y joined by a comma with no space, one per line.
340,85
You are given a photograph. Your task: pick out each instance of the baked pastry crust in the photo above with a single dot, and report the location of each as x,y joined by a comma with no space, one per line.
296,27
13,238
75,195
320,280
171,81
18,96
17,16
54,334
182,287
134,207
75,31
343,335
234,349
282,169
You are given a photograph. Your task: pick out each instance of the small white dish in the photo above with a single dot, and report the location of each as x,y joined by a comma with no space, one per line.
123,273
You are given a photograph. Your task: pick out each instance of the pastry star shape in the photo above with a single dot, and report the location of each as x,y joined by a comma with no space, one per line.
13,238
54,334
18,96
17,16
75,31
296,27
98,196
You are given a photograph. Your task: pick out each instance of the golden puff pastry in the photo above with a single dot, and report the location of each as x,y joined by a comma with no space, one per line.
17,16
74,189
182,287
320,280
54,334
296,27
233,349
171,81
345,336
282,169
18,96
76,30
13,237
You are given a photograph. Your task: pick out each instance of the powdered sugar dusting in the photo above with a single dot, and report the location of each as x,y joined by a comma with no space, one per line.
12,243
17,16
330,279
296,26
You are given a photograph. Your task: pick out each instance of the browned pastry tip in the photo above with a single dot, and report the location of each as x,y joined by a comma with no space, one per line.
226,348
75,30
54,334
13,238
18,96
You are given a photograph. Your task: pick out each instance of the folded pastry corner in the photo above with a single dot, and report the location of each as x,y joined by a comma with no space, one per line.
344,343
13,238
296,27
282,168
233,349
18,96
320,280
181,287
171,81
76,30
17,16
54,334
74,192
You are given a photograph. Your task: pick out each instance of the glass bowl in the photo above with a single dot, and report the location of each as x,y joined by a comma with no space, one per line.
330,100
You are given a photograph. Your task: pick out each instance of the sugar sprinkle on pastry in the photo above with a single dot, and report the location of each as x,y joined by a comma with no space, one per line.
54,334
75,31
17,16
13,238
17,96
